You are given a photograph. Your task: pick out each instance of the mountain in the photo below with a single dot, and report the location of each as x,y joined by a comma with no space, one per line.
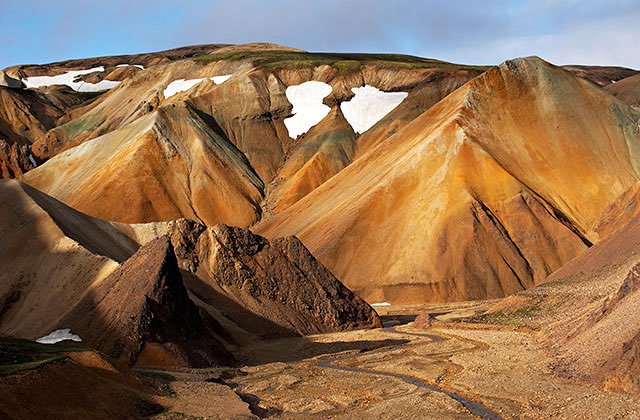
486,193
602,75
220,151
443,181
50,256
139,302
163,166
55,91
25,117
627,90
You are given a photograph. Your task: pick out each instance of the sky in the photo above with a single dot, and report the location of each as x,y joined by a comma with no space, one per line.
470,32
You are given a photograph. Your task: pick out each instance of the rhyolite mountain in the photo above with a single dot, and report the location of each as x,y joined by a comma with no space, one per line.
410,179
221,152
486,193
126,292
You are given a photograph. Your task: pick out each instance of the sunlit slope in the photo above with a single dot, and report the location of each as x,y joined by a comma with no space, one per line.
164,166
112,148
484,194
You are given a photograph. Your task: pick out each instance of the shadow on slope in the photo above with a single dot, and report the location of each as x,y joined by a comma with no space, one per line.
96,235
300,348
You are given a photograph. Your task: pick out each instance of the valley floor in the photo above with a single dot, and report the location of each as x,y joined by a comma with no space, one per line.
503,370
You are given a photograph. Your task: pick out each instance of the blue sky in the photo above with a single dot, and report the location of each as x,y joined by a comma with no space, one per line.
473,32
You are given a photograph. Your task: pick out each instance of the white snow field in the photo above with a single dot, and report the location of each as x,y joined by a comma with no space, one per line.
181,85
140,66
220,79
308,109
381,304
57,336
368,106
69,79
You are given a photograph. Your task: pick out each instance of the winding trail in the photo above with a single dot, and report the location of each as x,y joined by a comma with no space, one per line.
477,409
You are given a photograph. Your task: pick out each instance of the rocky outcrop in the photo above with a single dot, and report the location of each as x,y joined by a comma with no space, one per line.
424,320
620,212
282,287
141,313
14,160
10,82
626,376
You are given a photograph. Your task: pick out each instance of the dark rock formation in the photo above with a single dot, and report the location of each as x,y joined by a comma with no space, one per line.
10,82
272,288
141,313
14,160
601,75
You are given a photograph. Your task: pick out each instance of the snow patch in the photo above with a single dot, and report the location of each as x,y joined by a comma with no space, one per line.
70,79
381,304
182,85
140,66
57,336
308,109
218,80
368,106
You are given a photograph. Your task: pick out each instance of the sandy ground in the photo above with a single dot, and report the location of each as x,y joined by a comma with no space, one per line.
506,369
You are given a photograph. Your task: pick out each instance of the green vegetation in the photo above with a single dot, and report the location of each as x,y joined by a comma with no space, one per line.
88,96
345,63
346,67
518,318
87,122
17,354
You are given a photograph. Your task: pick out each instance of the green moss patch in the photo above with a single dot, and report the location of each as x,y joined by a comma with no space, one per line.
345,63
17,354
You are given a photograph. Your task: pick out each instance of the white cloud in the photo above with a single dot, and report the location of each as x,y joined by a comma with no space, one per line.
609,41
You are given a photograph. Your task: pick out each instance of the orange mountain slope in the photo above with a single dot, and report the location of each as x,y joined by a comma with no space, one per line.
483,195
253,165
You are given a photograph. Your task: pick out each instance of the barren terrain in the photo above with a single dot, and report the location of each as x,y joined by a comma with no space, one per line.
500,371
